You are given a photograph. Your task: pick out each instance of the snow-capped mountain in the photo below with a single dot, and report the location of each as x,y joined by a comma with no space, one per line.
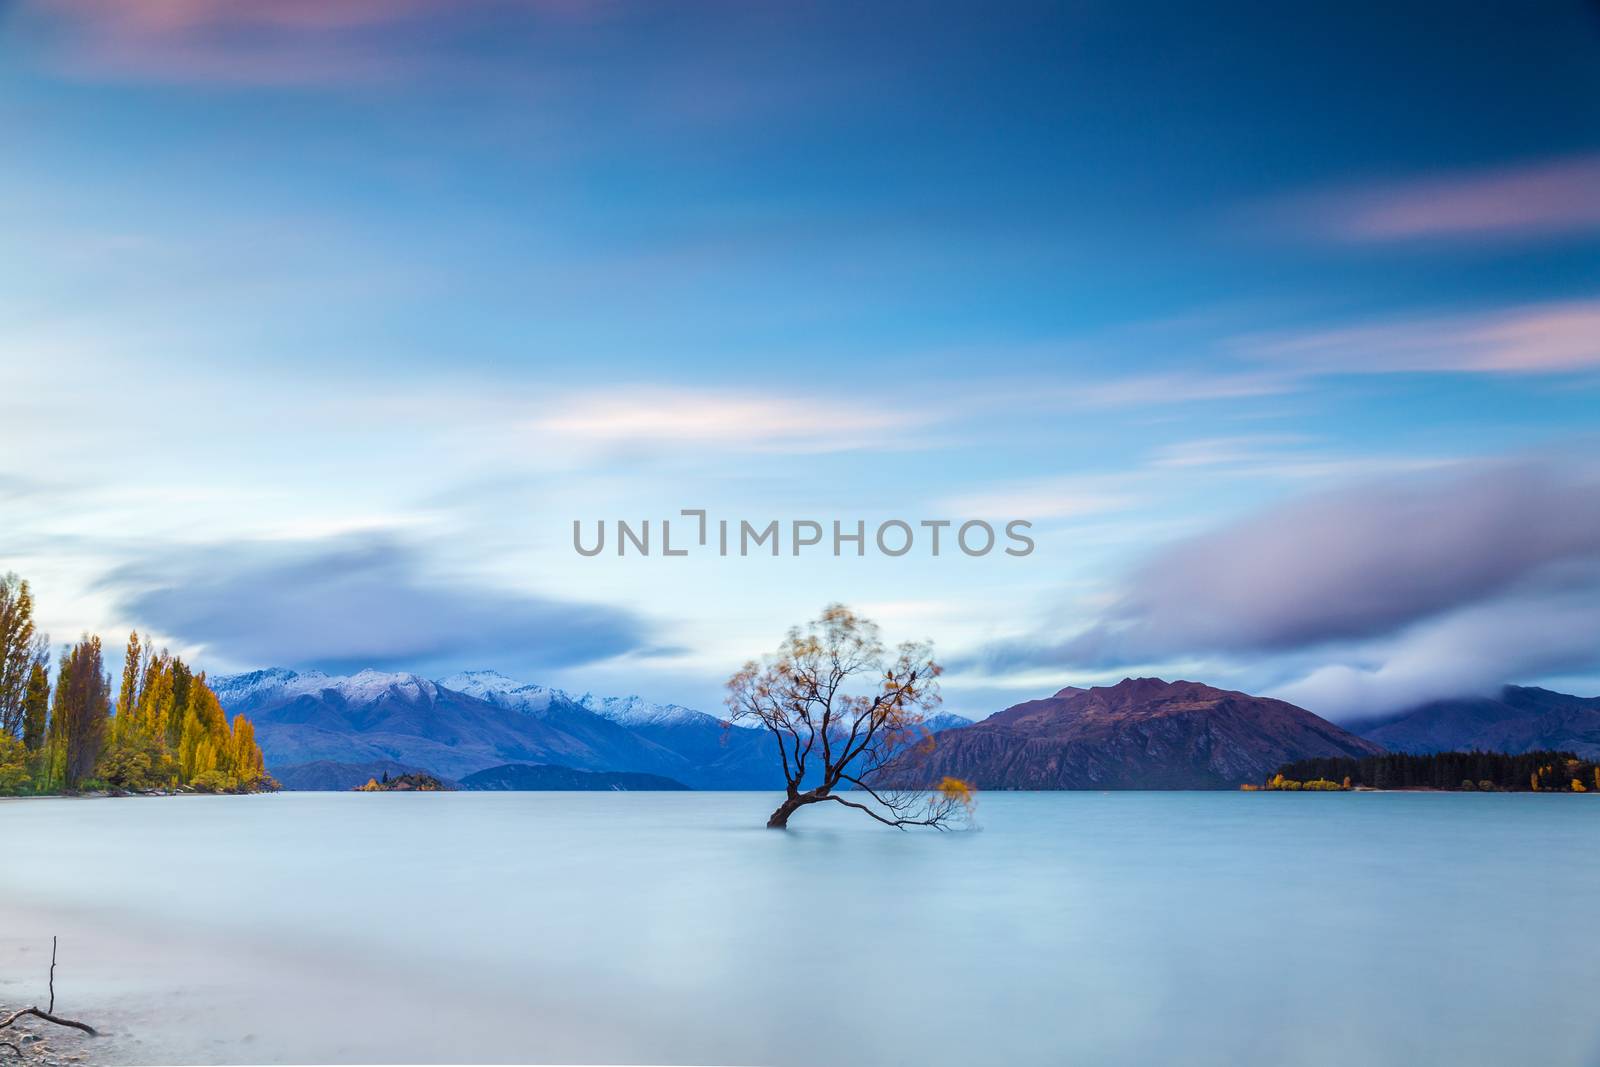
504,692
237,690
243,692
636,711
631,711
945,720
376,716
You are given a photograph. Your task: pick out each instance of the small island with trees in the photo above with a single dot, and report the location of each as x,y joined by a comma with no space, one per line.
414,782
165,732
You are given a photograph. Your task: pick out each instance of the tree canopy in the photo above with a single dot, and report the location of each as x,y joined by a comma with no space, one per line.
840,707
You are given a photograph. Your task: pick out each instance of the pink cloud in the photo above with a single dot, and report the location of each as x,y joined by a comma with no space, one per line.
1531,339
1531,199
250,42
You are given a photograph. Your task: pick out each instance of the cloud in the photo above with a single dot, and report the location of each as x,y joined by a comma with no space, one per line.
254,42
1149,390
760,421
1355,573
1048,498
1530,339
1540,198
1472,652
357,601
1226,451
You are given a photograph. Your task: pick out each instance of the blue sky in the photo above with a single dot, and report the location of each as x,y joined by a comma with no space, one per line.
343,311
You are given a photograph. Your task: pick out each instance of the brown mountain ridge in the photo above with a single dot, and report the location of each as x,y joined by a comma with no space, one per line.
1142,733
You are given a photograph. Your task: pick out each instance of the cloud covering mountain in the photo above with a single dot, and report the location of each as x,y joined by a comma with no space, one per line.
1380,595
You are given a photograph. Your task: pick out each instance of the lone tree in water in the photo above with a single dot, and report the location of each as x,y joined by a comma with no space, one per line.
841,708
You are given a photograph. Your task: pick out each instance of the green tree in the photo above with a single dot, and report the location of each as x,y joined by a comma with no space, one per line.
21,645
81,710
14,776
128,695
36,706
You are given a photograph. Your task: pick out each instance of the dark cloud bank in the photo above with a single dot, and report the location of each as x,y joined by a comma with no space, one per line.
354,602
1380,595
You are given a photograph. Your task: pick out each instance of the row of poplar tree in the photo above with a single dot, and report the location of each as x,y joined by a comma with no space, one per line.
165,728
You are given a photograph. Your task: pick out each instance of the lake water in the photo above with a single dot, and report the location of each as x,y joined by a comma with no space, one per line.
1127,928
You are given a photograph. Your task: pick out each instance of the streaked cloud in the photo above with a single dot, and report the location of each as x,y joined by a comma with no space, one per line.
357,601
1538,198
1227,451
1045,498
1529,339
1177,387
766,421
254,42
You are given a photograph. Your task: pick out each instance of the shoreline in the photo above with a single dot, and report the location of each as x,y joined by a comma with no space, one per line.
37,1043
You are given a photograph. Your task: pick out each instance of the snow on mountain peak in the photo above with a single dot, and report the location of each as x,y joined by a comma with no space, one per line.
274,683
502,691
237,689
636,711
506,692
370,684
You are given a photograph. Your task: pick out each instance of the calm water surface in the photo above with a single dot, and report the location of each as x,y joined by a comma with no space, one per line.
1129,928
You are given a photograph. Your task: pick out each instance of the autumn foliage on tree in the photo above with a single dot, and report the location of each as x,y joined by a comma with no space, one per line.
170,729
841,708
166,728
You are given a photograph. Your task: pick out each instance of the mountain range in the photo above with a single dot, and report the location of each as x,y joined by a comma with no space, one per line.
321,731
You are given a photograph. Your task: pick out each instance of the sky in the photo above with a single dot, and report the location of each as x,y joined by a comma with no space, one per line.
322,321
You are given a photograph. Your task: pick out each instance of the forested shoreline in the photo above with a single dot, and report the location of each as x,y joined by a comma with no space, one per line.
1527,772
165,731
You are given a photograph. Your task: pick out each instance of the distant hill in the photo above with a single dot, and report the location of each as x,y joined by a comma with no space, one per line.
527,777
1142,733
1520,719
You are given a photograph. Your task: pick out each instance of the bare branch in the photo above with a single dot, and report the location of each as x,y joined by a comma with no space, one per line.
49,1018
48,1015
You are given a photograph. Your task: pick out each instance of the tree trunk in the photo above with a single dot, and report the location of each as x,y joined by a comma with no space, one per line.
780,818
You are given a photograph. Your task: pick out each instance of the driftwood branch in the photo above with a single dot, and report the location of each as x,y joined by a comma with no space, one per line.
49,1018
48,1014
